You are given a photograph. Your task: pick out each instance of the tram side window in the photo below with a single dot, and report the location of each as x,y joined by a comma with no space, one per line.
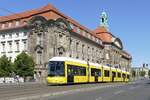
56,68
95,72
119,75
92,72
114,74
83,71
124,75
106,73
77,70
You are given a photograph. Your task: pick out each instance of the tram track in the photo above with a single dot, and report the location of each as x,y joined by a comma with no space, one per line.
12,92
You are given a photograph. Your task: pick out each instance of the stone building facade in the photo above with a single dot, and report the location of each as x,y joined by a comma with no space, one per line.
46,32
47,39
115,56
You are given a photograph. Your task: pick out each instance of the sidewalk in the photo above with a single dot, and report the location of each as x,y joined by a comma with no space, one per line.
20,83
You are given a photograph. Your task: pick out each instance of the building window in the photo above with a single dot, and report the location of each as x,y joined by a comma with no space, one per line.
100,54
83,51
60,35
10,35
89,35
100,42
88,50
71,25
97,40
93,38
24,44
3,47
10,58
78,30
3,25
24,33
24,22
93,54
39,57
39,39
17,46
97,55
3,36
83,33
17,23
10,47
17,34
77,45
9,25
88,53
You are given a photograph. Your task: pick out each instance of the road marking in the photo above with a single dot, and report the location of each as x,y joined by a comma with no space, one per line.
119,92
99,98
132,88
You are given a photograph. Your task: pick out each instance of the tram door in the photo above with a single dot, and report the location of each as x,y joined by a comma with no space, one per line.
95,73
70,75
96,78
113,76
123,76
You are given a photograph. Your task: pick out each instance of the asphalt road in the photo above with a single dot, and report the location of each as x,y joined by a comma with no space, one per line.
38,91
137,91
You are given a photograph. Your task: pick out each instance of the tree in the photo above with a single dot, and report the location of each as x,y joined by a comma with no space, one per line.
24,65
149,73
5,67
142,73
133,73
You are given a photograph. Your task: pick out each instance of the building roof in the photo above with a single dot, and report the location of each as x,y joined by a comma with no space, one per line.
100,29
103,34
125,52
107,37
26,14
48,12
75,60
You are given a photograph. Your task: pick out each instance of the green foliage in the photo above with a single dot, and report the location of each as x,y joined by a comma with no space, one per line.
6,67
133,73
142,73
149,73
24,65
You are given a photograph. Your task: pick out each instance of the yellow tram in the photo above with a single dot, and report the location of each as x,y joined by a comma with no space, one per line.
64,70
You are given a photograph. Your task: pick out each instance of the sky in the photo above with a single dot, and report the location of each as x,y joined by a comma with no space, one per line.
127,19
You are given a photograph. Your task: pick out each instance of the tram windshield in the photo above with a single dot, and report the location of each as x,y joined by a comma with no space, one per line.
56,68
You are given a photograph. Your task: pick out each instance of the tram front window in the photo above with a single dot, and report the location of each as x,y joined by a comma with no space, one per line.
56,68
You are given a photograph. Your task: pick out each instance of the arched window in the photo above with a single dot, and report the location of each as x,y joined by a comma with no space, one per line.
83,54
39,59
77,51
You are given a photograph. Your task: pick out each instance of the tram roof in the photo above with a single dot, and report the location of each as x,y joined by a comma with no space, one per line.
104,66
80,61
74,60
113,68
